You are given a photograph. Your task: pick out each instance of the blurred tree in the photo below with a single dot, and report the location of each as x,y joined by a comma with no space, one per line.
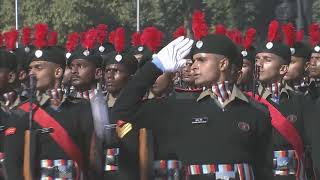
316,11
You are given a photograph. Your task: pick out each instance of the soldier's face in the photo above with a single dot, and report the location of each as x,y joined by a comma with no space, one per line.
314,68
186,74
205,69
45,73
115,77
162,84
82,73
296,69
271,67
246,74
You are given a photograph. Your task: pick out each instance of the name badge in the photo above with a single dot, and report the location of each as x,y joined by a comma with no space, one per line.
200,120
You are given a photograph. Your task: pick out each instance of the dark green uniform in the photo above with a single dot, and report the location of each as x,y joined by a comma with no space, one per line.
210,141
74,115
291,106
121,160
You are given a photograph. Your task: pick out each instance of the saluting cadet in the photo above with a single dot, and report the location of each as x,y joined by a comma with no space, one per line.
56,143
286,106
237,148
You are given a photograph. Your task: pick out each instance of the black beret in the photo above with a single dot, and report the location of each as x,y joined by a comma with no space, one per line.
249,54
217,44
52,54
104,49
316,49
8,60
87,54
127,59
22,54
276,48
302,50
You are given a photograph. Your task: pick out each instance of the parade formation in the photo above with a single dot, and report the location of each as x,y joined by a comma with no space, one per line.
207,105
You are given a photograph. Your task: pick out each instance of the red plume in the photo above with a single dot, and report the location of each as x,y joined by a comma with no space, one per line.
119,39
53,38
1,40
26,36
314,33
220,29
199,25
135,39
102,33
152,38
89,39
273,32
180,31
72,41
10,39
40,35
250,38
111,37
300,35
289,34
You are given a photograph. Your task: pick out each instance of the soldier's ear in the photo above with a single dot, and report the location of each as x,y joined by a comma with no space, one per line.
58,72
12,77
306,66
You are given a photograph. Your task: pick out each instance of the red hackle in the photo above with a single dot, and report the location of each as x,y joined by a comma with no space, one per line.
119,39
300,35
53,38
273,31
180,31
314,34
250,38
26,36
10,39
40,35
199,25
72,41
220,29
90,38
289,34
152,38
102,33
135,39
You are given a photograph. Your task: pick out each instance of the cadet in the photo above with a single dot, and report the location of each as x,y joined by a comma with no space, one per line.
56,143
273,59
179,126
121,152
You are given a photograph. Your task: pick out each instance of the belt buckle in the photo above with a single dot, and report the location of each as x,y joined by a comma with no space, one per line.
230,175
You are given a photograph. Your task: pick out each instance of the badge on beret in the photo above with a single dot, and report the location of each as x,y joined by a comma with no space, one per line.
27,49
118,57
68,55
140,49
244,126
269,45
292,51
317,48
244,53
199,44
38,53
86,52
101,49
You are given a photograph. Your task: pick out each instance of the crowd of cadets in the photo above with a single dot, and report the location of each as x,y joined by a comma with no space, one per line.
215,106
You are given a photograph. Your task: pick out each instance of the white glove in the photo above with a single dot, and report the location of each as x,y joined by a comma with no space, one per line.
171,56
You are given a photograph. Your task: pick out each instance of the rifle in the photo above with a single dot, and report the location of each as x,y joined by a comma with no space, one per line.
27,171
